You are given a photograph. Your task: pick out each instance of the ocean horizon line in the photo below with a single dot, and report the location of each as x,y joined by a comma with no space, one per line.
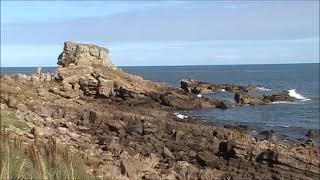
175,65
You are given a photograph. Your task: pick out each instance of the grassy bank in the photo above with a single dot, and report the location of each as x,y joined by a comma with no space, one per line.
38,160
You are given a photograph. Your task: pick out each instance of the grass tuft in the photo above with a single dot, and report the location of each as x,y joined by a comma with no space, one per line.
40,160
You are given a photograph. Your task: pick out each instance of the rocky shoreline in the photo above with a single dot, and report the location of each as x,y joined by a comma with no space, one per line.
129,127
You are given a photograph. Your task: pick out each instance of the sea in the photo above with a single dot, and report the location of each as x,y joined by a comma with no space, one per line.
289,120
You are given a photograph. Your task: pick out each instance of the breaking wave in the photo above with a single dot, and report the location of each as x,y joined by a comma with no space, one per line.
294,94
263,89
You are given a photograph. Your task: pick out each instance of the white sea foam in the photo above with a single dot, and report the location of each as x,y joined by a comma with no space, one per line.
223,90
180,116
263,89
294,94
279,125
283,102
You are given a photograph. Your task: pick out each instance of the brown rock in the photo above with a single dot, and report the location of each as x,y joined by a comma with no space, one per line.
12,102
167,152
83,55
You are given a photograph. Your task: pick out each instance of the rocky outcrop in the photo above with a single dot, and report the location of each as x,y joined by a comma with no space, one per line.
244,98
198,87
129,127
83,55
83,73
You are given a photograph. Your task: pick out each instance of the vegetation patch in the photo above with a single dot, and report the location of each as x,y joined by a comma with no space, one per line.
40,161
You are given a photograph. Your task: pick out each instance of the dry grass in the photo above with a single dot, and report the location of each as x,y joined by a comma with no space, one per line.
40,161
8,119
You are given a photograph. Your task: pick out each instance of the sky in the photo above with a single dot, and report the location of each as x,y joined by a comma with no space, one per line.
148,33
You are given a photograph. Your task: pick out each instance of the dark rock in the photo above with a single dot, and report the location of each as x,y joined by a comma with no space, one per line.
93,117
283,96
226,150
313,133
269,135
207,159
270,156
197,87
241,128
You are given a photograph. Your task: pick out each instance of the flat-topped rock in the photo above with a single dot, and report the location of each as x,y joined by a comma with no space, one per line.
83,55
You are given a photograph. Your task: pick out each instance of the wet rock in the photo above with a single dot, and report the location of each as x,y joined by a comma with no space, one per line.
283,96
244,98
269,135
313,133
197,87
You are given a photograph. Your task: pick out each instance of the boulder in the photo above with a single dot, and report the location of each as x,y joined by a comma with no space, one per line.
83,55
105,87
12,102
270,156
88,84
227,149
205,158
137,166
20,77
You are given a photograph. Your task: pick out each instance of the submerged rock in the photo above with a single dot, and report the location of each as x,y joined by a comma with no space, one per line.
313,133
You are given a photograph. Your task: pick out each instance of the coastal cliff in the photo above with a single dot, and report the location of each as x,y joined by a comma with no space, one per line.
129,127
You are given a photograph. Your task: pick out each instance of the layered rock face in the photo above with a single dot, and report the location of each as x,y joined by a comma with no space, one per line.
129,127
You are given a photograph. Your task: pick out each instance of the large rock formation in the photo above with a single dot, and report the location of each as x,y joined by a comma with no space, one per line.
83,55
86,70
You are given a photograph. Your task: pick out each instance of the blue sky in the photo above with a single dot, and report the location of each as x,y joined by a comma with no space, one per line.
163,32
